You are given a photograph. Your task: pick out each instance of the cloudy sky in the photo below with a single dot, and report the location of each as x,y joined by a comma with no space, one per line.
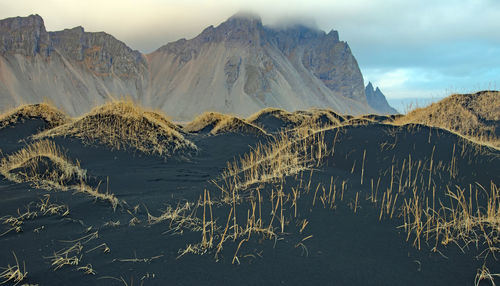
410,49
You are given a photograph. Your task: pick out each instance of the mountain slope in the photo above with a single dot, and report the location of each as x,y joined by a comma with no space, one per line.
75,69
239,67
376,100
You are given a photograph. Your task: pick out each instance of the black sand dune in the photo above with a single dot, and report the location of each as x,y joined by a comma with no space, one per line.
274,120
475,115
214,123
26,121
319,216
381,118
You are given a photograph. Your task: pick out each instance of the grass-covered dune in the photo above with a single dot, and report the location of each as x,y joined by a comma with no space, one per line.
124,196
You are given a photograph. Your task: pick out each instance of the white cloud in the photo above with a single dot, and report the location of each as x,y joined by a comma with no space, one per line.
428,83
361,22
393,79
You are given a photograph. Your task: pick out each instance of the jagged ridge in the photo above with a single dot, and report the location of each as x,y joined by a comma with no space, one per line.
376,99
238,67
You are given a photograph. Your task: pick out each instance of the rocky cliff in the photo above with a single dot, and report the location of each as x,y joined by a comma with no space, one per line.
100,53
376,99
24,36
242,66
74,69
324,55
238,67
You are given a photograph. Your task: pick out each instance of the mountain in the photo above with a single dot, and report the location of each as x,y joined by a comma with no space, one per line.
239,67
72,68
242,66
376,100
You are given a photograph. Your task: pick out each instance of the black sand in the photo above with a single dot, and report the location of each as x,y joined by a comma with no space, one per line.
347,247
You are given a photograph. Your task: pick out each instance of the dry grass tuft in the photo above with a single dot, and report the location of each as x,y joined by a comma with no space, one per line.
236,125
13,274
322,118
472,219
274,119
33,210
72,255
44,165
483,274
276,112
162,117
217,123
360,121
476,116
123,124
50,114
280,117
380,118
291,153
179,218
205,122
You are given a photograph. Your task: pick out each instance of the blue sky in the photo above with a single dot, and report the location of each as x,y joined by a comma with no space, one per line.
410,49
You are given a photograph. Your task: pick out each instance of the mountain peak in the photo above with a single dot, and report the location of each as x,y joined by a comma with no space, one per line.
370,86
16,23
242,20
376,99
35,17
245,16
23,35
241,27
334,34
78,29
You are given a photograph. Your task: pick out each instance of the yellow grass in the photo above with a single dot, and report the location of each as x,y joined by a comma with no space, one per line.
237,125
219,123
45,111
474,116
33,210
123,124
162,117
466,221
44,165
483,274
291,153
72,255
204,120
322,118
13,274
24,166
379,118
359,121
294,118
312,118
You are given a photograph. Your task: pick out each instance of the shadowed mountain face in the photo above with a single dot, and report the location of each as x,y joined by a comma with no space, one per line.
237,67
24,36
376,100
100,53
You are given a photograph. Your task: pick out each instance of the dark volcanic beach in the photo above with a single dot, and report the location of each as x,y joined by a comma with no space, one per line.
345,212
